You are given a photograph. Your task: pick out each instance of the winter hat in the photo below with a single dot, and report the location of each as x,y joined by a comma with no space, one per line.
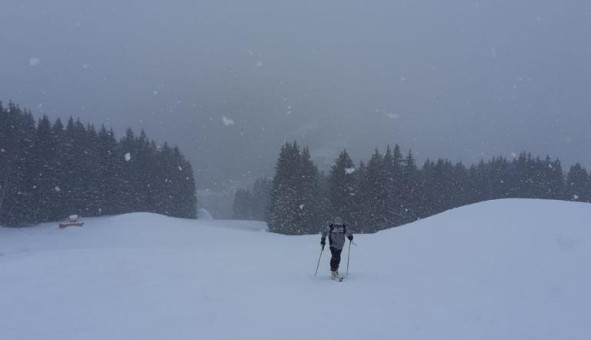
337,221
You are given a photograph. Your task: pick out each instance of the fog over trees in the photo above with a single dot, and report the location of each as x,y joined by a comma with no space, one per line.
230,82
49,171
390,190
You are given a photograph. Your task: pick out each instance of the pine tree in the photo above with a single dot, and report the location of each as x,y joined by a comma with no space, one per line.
91,172
309,193
409,190
241,208
79,154
362,215
396,173
379,190
109,181
183,191
554,179
577,184
252,205
127,152
499,178
342,189
325,212
284,205
45,172
427,205
295,202
17,129
441,186
261,196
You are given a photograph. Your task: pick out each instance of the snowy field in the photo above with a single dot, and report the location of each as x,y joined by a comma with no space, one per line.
506,269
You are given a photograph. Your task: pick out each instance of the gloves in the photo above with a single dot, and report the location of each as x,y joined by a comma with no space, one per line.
350,237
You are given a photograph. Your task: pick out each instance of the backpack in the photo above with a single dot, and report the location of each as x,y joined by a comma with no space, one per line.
331,228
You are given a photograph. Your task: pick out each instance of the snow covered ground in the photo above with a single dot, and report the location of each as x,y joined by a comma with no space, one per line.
506,269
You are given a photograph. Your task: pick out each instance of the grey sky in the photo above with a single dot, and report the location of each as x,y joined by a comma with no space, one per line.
231,81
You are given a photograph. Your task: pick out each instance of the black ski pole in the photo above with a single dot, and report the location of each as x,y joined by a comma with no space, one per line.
318,265
348,256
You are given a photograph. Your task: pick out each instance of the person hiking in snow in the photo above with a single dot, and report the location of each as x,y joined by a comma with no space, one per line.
336,232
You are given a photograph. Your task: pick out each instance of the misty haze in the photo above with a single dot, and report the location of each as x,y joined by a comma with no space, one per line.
295,170
230,82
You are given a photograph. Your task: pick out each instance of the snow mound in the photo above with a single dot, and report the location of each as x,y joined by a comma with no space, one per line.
506,269
203,214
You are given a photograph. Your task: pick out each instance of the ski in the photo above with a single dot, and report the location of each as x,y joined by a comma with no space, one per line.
338,278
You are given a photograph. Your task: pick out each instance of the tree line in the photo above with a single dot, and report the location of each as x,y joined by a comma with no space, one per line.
390,189
50,170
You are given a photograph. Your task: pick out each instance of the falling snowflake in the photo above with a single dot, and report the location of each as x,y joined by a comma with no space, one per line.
58,189
34,61
301,206
127,157
349,171
227,121
493,52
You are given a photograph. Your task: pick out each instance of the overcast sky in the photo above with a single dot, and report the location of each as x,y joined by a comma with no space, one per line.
230,81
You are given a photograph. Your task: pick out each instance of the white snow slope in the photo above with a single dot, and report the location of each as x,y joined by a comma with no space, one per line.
506,269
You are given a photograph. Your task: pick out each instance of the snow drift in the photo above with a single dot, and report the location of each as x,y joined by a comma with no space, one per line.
506,269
